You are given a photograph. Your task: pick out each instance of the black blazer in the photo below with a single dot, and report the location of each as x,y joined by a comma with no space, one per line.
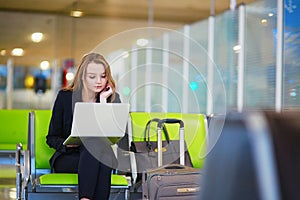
61,121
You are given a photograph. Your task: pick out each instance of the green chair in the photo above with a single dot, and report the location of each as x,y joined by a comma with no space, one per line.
41,184
195,129
13,130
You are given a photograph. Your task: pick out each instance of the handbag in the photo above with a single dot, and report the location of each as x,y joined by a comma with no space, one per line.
146,151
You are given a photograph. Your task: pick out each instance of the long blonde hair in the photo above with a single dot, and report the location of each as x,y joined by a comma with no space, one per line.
77,83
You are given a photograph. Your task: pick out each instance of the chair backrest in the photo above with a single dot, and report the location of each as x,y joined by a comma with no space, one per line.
195,129
40,151
285,132
229,171
13,129
249,158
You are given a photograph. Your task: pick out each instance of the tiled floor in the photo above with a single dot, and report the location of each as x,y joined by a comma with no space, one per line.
7,182
7,193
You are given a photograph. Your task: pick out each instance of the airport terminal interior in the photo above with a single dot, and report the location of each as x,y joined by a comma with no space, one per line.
230,64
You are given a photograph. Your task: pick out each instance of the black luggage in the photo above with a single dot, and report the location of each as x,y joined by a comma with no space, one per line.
171,181
146,152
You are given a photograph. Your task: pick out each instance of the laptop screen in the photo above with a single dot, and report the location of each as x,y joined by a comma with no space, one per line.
99,120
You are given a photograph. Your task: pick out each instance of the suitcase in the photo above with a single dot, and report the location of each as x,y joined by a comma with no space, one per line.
171,181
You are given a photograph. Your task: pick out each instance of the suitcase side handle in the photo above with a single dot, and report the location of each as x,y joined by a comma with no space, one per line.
170,121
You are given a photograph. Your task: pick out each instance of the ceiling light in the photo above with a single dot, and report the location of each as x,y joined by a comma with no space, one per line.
237,48
76,13
44,65
17,52
3,52
264,22
37,37
142,42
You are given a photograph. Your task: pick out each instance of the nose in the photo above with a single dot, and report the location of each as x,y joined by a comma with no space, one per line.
98,80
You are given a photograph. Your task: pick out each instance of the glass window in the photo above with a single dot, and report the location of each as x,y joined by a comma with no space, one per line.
260,56
291,83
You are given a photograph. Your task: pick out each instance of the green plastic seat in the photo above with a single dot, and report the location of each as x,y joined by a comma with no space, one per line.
42,151
13,129
195,129
72,179
7,171
59,179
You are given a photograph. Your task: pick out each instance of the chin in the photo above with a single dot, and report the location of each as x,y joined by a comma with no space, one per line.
97,90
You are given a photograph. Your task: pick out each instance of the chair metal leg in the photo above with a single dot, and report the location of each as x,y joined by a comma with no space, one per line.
127,194
18,172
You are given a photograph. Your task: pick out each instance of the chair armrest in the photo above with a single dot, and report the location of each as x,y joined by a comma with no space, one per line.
22,169
26,167
133,166
132,161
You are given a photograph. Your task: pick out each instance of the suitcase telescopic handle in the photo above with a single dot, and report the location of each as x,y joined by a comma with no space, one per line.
160,124
170,121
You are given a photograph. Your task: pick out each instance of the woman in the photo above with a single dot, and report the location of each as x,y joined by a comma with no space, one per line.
92,83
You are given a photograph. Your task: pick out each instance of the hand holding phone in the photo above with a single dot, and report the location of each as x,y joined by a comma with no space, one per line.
105,93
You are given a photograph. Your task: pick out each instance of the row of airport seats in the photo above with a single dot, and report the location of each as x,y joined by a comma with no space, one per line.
34,180
255,156
13,129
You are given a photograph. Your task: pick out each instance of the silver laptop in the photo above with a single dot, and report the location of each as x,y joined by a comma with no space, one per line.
98,120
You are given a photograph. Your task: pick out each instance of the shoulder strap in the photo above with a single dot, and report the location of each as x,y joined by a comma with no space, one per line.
147,130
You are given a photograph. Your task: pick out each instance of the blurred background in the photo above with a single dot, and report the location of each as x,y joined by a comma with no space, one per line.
166,56
45,41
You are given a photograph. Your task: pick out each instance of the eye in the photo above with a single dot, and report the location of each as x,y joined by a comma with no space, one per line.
103,76
92,76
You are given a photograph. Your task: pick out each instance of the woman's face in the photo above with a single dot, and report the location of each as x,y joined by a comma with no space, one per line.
95,79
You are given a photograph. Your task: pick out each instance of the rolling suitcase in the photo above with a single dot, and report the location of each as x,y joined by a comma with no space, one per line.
171,181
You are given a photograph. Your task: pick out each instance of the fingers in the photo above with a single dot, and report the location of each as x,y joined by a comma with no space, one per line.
107,92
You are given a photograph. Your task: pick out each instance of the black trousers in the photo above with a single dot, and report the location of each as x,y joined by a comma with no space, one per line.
94,177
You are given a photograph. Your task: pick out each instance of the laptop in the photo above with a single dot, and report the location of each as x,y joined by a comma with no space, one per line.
98,120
